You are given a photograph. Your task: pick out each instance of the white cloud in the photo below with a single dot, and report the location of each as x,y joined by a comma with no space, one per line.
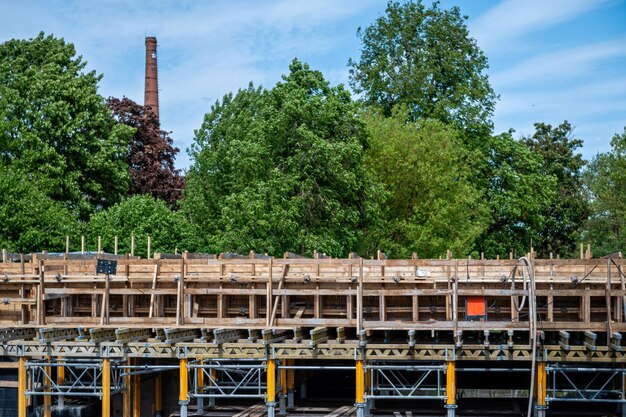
511,19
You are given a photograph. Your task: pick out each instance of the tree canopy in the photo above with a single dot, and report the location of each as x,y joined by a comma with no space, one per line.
432,204
55,127
566,214
151,153
424,59
142,216
281,169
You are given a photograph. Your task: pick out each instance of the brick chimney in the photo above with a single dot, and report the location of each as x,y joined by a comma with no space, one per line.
151,92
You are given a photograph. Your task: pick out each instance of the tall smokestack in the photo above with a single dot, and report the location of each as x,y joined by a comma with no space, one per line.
151,93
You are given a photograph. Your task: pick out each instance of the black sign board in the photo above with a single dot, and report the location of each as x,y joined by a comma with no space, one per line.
104,266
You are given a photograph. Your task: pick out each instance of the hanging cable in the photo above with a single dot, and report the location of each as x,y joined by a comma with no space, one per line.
528,286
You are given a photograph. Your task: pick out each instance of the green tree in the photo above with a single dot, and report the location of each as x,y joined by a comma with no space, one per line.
605,179
280,170
432,204
142,216
517,190
30,221
566,214
424,59
56,127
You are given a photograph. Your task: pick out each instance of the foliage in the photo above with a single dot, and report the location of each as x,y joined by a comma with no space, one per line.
55,127
30,221
432,203
143,216
280,170
424,58
517,191
605,179
151,154
566,214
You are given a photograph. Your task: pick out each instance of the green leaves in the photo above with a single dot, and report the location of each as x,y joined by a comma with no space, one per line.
57,128
280,170
431,204
143,216
423,58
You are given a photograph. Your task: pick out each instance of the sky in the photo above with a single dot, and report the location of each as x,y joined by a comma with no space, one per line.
550,60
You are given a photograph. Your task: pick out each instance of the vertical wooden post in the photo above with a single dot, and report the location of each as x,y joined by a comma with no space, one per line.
67,244
82,245
148,247
99,245
115,245
132,245
21,387
359,299
269,297
106,387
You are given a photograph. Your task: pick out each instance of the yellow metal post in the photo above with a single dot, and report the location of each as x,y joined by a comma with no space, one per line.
60,379
271,387
184,387
158,400
106,387
136,393
127,394
47,399
542,388
200,373
450,388
360,388
291,383
21,385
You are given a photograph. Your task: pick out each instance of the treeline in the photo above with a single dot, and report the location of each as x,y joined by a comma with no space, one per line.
408,163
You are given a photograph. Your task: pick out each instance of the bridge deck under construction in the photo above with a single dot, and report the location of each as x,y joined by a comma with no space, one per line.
254,327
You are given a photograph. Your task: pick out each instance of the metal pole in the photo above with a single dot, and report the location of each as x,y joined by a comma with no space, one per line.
283,391
360,388
47,399
106,387
136,393
542,385
271,387
21,392
184,387
291,384
158,401
60,381
127,395
450,388
200,373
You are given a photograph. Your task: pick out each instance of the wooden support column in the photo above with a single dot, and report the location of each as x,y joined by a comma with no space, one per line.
269,297
106,387
21,387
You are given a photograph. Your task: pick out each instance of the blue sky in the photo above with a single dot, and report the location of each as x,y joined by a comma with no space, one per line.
550,60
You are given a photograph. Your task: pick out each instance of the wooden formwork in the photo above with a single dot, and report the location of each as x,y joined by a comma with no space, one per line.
261,293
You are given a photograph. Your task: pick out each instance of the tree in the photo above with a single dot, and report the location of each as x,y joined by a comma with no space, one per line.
56,128
605,179
432,203
151,153
280,170
142,216
567,212
30,220
517,190
424,59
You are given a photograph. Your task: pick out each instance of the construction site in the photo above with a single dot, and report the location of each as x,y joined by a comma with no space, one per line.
115,335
